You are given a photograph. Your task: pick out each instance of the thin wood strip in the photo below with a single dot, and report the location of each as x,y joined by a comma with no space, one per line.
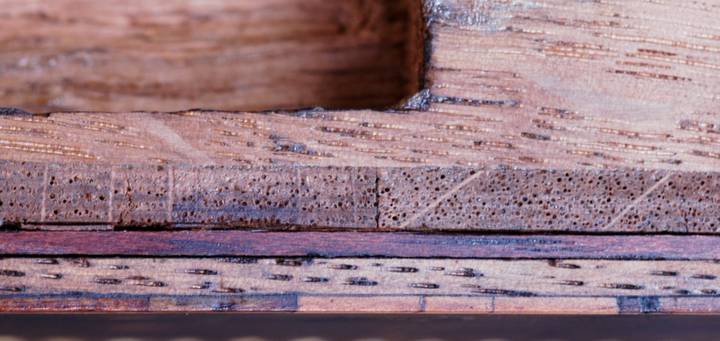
360,304
360,276
355,244
39,196
359,285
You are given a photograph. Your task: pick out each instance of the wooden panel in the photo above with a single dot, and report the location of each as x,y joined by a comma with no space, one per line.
71,303
69,55
365,244
536,116
629,93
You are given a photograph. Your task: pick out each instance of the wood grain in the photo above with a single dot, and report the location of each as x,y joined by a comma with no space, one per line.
589,117
349,276
72,55
358,244
357,284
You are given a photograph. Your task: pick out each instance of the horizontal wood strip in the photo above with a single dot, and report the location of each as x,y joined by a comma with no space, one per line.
360,304
472,137
38,196
360,276
359,285
352,244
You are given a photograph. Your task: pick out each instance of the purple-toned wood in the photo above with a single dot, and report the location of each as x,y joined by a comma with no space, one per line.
356,244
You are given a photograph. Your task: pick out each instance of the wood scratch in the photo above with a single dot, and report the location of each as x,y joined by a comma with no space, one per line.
174,140
170,193
440,199
43,204
636,201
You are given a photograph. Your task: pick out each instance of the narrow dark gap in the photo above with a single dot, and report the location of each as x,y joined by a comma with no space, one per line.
235,55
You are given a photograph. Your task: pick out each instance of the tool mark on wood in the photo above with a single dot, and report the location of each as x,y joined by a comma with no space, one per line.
431,206
174,140
634,203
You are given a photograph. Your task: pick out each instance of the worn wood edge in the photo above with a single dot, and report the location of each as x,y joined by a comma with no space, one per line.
217,243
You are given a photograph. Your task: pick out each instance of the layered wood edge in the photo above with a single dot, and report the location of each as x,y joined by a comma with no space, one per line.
537,116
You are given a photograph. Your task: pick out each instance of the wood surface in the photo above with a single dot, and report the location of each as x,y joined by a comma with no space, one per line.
70,55
595,123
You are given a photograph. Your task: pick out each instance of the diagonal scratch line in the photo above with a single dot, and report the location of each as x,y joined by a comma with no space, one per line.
174,140
440,199
637,200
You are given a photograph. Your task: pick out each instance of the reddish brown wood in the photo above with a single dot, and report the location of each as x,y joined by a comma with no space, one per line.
357,244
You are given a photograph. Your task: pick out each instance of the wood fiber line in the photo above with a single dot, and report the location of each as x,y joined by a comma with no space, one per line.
70,55
350,244
638,286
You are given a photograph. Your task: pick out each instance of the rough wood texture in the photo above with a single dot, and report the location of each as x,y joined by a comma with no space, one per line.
354,244
68,55
50,196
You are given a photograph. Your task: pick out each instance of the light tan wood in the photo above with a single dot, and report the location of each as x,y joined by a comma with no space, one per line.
358,138
458,304
555,306
366,276
68,55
